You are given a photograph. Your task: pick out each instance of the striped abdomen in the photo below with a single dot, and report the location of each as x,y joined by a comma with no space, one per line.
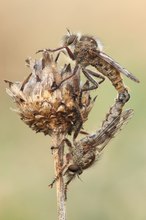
109,71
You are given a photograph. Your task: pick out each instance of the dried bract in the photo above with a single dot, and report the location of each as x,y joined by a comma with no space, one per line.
46,104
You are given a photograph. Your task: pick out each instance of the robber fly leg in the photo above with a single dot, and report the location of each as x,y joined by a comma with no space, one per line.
50,50
78,126
74,72
70,53
68,158
57,177
84,132
58,55
77,130
68,143
25,81
54,181
97,75
88,74
67,183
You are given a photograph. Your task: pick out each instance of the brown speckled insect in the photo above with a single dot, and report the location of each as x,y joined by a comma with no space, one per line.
87,50
85,152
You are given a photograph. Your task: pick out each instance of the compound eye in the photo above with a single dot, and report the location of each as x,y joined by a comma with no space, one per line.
93,42
74,168
71,39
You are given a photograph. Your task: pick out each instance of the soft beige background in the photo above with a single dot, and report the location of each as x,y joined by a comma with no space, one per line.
115,188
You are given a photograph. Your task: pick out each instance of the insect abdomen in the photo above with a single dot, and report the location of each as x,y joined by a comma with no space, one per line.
114,76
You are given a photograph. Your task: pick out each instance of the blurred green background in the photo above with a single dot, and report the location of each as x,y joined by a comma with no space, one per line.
113,189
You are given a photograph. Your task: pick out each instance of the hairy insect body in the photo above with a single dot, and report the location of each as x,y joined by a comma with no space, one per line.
81,157
110,72
84,153
108,128
87,54
87,50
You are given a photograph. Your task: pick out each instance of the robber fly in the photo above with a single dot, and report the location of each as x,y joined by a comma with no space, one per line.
85,152
87,50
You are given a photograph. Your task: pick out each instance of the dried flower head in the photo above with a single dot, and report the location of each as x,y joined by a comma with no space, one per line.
46,104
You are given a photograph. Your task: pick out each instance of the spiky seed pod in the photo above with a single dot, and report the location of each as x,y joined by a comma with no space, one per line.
44,105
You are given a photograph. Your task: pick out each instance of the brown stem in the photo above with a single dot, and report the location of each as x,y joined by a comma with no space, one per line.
58,164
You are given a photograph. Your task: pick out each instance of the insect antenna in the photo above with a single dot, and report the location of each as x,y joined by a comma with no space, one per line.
68,31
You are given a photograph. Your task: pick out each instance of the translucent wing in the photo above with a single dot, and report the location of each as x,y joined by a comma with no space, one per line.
112,129
117,66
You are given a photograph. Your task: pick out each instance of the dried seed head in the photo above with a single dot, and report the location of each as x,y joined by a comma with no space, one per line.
44,105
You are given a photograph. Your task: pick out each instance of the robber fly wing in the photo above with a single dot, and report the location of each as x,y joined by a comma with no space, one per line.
112,129
117,66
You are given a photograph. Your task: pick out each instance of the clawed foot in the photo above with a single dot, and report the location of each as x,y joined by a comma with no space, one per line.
51,185
54,181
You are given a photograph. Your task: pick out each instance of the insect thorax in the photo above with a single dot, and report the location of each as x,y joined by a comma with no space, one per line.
84,53
82,157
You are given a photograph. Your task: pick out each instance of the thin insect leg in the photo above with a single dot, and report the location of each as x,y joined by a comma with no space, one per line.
25,81
68,31
77,130
67,161
67,183
78,125
74,72
84,132
96,75
67,69
50,50
57,177
84,88
95,84
68,143
57,57
54,181
70,53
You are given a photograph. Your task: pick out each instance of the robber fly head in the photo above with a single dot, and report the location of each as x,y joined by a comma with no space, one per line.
86,40
75,169
70,39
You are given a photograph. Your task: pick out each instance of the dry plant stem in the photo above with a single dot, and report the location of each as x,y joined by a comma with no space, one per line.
58,164
52,109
